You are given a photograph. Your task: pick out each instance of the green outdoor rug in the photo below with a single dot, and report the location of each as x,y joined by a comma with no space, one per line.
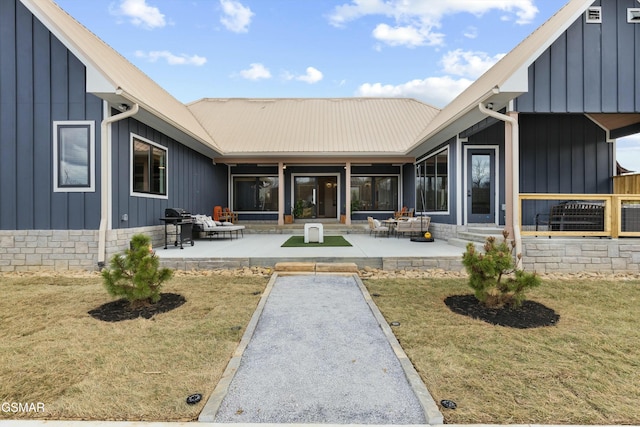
298,242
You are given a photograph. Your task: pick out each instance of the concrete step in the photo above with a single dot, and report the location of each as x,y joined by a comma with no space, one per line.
474,236
462,243
490,229
477,234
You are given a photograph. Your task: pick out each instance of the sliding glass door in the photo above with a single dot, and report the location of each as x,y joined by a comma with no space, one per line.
315,197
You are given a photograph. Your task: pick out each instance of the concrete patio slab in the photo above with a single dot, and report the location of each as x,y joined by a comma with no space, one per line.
265,250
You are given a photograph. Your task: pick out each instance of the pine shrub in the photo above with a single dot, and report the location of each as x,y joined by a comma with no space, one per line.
493,274
136,275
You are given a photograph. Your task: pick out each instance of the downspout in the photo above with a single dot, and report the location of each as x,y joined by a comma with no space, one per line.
105,179
515,159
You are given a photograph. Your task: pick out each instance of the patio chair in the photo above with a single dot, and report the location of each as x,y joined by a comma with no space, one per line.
217,210
413,226
228,215
210,227
376,227
401,213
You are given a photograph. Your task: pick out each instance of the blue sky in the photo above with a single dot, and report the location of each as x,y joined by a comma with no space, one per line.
430,50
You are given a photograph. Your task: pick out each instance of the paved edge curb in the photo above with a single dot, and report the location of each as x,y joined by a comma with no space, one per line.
429,406
62,423
212,406
432,413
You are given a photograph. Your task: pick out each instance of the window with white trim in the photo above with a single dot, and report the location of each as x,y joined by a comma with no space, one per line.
374,193
148,168
432,183
255,193
74,156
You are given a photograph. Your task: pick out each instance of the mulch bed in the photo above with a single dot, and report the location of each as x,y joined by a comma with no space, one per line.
530,315
117,311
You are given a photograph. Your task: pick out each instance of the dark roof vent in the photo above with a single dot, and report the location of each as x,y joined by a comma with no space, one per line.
593,15
633,15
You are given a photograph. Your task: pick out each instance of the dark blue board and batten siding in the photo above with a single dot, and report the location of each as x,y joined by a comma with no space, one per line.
592,68
40,82
562,153
193,182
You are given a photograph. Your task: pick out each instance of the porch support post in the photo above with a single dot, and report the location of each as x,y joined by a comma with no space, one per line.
347,193
280,193
508,177
512,197
512,178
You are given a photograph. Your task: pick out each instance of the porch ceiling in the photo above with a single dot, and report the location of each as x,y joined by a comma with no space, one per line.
358,159
618,123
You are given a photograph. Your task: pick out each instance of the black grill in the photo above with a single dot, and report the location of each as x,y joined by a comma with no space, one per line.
177,213
183,226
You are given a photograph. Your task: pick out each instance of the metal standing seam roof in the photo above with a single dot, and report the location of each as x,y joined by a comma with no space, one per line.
307,125
313,125
121,73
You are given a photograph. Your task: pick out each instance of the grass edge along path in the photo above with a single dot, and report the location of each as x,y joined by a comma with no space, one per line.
584,370
578,372
54,353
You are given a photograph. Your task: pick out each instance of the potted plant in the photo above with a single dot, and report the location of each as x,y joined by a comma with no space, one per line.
298,209
288,219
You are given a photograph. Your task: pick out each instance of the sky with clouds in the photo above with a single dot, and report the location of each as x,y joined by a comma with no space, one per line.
430,50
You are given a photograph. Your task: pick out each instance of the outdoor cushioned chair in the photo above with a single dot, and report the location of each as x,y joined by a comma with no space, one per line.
413,226
207,225
376,227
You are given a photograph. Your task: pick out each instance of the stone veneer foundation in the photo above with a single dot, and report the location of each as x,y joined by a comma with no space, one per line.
61,250
566,255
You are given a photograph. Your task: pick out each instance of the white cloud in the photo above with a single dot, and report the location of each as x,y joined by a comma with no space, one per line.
141,14
256,71
237,17
415,22
471,32
468,63
313,76
437,91
406,36
172,59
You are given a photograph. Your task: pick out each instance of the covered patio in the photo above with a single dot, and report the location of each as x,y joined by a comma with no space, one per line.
264,250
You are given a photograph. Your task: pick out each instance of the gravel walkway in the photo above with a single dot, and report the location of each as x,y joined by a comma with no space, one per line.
319,356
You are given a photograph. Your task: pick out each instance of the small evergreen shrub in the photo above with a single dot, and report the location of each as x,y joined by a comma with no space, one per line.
136,276
493,274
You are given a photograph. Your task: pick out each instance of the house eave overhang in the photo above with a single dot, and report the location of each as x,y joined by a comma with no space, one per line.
151,117
100,84
465,119
314,158
505,81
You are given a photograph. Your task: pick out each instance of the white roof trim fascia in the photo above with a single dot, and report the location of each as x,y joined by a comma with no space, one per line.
519,79
603,127
97,82
213,151
517,82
